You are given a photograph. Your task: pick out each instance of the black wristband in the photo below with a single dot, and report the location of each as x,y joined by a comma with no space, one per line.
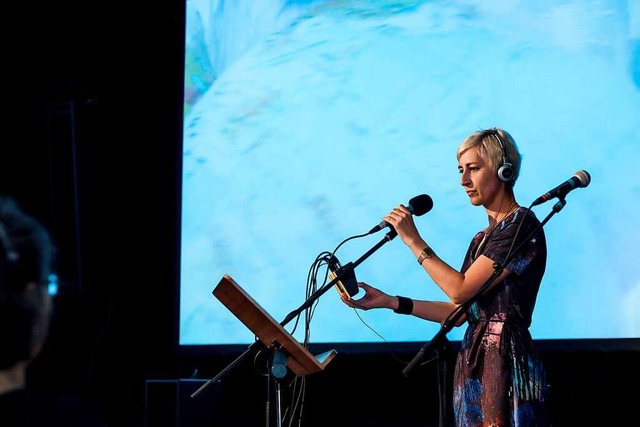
405,305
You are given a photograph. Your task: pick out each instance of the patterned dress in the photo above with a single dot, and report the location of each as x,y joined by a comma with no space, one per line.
499,379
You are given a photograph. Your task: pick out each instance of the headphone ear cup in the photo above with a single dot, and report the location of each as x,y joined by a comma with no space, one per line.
505,172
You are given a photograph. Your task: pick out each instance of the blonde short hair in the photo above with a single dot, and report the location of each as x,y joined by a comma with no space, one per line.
490,143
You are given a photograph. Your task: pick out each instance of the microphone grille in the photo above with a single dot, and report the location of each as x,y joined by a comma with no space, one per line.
584,178
420,205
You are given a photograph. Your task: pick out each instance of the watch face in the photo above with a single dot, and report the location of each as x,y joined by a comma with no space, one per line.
426,253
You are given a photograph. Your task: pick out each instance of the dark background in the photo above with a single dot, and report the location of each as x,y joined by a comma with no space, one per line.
92,126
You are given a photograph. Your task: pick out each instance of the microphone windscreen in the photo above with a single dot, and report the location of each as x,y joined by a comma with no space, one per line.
584,178
420,205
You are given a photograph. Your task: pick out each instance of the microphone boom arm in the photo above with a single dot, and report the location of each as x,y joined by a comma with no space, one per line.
346,269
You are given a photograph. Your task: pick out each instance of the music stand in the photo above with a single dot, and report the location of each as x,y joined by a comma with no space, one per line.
289,353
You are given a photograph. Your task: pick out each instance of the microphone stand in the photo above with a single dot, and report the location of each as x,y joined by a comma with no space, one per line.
440,338
341,273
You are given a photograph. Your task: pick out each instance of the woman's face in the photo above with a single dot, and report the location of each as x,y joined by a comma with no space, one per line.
479,179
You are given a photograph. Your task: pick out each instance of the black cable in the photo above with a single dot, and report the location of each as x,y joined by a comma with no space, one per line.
325,258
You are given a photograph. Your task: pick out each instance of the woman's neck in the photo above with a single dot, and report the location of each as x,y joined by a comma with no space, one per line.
506,207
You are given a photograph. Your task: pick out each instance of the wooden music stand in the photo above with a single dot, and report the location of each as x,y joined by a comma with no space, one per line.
288,354
271,333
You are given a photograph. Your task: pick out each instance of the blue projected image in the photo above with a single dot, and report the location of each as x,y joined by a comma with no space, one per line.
305,122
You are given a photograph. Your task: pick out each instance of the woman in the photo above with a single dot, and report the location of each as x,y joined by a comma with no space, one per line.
499,379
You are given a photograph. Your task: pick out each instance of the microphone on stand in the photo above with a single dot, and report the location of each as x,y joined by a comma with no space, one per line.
418,206
579,180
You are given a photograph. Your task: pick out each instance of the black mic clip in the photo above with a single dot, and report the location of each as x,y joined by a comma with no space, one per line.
347,284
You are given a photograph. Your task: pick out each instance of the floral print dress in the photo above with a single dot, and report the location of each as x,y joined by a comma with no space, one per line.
499,379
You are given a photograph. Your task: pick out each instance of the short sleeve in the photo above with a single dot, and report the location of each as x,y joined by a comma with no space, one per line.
501,241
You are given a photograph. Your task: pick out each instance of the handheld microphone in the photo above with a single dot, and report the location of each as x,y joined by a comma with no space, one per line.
418,206
579,179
